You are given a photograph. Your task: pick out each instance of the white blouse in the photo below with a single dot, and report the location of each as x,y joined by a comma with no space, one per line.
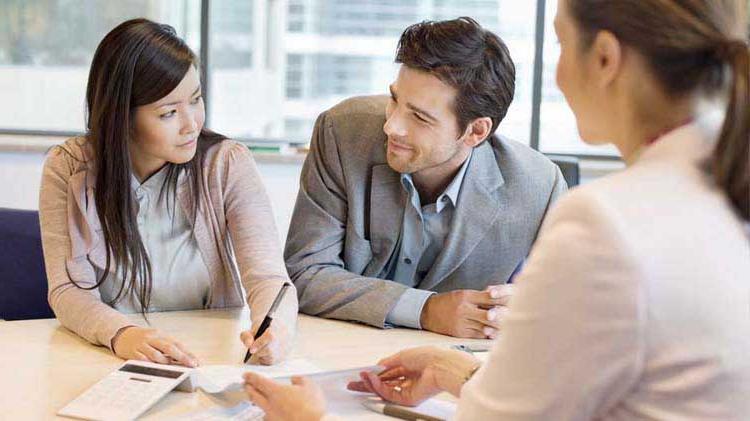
180,278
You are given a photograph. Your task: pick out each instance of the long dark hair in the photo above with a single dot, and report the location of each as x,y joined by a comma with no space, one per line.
689,45
137,63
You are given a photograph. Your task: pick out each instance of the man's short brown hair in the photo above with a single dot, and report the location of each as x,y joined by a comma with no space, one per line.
467,57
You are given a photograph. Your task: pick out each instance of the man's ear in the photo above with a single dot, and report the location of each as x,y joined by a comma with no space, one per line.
477,131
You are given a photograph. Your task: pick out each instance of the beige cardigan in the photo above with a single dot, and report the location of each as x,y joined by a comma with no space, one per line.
234,230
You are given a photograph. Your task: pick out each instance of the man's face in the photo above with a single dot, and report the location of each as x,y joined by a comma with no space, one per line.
420,122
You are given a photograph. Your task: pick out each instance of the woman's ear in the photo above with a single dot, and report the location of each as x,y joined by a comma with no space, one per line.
607,56
477,131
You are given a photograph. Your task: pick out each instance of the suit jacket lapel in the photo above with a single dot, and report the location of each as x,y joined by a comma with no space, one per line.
478,208
387,200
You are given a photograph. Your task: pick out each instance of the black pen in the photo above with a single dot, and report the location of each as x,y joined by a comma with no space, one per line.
269,317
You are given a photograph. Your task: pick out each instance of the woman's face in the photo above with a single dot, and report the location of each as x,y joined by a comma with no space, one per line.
576,77
167,130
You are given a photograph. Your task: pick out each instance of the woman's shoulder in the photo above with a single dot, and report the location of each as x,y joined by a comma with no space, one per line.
224,151
597,212
614,194
588,204
228,161
75,153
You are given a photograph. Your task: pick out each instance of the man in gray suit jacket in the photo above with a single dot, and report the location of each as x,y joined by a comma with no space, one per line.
411,211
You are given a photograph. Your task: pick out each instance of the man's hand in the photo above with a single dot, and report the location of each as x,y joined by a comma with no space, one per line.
467,313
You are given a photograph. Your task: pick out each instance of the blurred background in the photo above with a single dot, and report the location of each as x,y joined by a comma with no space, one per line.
269,68
272,65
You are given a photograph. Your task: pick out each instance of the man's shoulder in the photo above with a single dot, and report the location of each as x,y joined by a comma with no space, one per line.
352,130
517,158
357,118
359,107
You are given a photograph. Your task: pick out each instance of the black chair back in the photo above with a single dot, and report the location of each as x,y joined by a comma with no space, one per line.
570,168
23,281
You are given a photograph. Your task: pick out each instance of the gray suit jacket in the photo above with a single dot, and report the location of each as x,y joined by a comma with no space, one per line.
349,211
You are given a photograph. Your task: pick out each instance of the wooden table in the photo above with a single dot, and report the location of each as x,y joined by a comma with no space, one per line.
44,366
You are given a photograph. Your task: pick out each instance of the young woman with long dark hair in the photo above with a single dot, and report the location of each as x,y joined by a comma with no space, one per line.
150,211
634,303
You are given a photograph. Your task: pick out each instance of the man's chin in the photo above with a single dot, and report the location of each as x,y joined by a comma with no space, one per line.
397,164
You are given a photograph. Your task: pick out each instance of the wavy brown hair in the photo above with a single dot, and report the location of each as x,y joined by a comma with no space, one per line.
690,45
137,63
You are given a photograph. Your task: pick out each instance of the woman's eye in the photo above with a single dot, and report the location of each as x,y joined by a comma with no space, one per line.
418,117
169,114
196,99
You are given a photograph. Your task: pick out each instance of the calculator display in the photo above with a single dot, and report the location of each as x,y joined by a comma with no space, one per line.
157,372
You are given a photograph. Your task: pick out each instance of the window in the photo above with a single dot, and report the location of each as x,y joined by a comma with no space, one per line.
273,65
329,50
558,132
46,47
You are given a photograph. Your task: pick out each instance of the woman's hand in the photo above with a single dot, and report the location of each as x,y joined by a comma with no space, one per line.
138,343
303,400
415,375
272,347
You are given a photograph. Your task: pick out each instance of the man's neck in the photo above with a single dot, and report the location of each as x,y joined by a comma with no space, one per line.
431,182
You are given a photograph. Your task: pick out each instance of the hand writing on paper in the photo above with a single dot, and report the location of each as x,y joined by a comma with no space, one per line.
303,400
271,348
467,313
415,375
138,343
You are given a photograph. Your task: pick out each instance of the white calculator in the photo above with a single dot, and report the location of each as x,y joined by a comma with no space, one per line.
127,392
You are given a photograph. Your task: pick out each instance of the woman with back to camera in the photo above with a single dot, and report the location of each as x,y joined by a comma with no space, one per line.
148,210
635,301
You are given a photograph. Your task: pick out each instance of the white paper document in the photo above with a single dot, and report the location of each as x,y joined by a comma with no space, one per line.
223,378
344,403
348,405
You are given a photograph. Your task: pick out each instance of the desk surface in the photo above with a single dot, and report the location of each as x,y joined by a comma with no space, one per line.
44,366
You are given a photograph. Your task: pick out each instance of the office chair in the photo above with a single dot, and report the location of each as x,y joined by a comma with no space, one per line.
23,281
570,168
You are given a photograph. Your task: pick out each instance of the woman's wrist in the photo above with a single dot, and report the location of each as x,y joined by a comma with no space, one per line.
113,341
453,369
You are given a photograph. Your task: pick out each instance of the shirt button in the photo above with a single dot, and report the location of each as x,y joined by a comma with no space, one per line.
407,260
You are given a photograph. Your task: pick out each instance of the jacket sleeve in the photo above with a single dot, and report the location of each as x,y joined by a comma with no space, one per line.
316,244
559,188
80,310
573,342
255,239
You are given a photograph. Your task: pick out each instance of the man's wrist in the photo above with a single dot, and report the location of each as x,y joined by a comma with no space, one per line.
424,319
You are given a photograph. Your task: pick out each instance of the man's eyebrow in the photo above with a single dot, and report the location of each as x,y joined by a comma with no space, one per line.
413,107
421,111
177,102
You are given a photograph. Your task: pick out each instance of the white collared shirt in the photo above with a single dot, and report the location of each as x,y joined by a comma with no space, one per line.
180,278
